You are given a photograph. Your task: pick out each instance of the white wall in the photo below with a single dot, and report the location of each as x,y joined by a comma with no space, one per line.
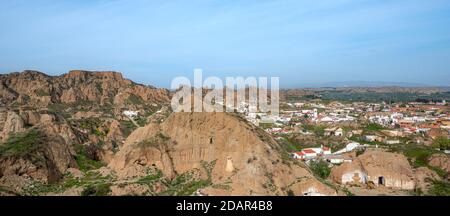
348,177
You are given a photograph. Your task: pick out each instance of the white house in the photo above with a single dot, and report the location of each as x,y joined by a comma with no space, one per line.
337,159
348,148
311,153
130,114
298,155
339,132
326,119
333,131
326,150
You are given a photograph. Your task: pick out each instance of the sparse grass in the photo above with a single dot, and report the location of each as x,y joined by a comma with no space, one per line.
23,145
90,179
419,155
127,127
154,141
42,93
102,189
6,190
85,160
86,164
185,184
374,127
136,100
208,168
289,141
99,133
222,187
151,178
141,121
316,129
59,108
439,188
191,187
91,124
270,184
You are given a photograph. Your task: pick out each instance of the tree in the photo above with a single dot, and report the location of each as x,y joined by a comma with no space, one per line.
320,168
441,143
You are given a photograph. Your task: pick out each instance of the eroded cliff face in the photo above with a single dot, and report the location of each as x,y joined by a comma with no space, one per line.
441,161
34,155
35,147
244,157
37,89
12,124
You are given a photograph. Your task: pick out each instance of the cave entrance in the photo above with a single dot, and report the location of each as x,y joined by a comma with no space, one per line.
210,140
381,180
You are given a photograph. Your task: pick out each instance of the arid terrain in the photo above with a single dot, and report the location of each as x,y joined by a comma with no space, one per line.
98,133
73,135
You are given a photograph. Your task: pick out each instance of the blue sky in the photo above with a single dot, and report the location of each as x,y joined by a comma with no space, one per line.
300,41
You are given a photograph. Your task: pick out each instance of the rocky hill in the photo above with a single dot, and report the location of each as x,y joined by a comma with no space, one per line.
69,135
34,88
243,159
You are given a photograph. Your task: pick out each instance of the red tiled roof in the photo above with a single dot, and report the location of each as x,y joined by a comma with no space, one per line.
308,151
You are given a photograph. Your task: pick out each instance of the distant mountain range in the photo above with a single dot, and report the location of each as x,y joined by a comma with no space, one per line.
362,84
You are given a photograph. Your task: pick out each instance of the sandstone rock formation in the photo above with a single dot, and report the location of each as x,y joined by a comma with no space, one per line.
186,140
37,89
13,124
37,155
59,129
441,161
424,176
376,167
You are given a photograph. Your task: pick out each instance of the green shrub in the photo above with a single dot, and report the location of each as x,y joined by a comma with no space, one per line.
102,189
290,193
419,155
374,127
151,178
320,168
439,188
141,121
99,87
191,187
441,143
